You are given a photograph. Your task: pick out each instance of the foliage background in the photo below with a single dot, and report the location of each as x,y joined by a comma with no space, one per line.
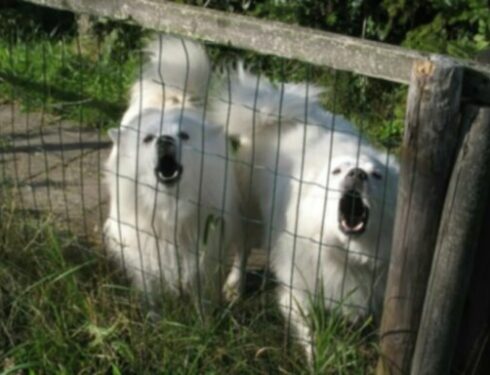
459,28
107,61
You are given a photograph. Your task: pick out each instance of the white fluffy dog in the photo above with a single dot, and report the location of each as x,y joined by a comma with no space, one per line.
326,197
173,197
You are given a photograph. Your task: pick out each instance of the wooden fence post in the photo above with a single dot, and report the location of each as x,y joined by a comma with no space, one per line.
472,353
430,142
457,241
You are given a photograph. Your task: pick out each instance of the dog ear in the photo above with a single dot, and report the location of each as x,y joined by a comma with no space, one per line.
114,134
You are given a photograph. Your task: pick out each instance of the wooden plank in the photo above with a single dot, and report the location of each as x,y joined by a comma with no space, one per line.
336,51
430,143
462,219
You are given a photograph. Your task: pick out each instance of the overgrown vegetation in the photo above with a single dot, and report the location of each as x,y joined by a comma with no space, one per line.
455,27
85,79
45,65
64,309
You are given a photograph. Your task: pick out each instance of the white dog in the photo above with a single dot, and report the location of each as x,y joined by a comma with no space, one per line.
173,197
326,197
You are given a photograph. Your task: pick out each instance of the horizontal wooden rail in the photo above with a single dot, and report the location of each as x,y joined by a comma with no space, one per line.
336,51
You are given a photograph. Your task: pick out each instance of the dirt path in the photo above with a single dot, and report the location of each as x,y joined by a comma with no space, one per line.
54,166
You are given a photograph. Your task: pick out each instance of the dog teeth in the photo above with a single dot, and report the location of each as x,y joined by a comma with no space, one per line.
346,226
175,175
359,226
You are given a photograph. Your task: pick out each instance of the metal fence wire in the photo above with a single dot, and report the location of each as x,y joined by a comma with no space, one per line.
210,165
217,175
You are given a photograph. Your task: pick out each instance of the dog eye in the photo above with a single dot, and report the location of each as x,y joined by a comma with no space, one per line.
377,175
336,171
149,138
183,135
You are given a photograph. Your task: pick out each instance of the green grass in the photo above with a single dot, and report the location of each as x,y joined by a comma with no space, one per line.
339,344
65,309
78,79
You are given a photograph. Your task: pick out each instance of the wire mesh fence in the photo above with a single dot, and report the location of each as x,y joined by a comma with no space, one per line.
199,155
219,173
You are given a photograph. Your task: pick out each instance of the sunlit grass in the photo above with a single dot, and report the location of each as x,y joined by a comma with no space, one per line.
341,346
66,309
77,79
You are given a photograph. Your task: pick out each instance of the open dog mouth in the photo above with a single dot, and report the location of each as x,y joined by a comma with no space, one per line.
168,169
353,213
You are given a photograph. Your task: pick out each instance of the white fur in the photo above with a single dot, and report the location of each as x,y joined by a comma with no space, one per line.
294,146
157,231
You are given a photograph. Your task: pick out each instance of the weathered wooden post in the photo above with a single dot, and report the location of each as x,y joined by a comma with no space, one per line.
430,142
472,352
457,241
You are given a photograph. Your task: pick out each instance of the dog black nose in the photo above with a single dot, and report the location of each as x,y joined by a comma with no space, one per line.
357,174
165,140
166,145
